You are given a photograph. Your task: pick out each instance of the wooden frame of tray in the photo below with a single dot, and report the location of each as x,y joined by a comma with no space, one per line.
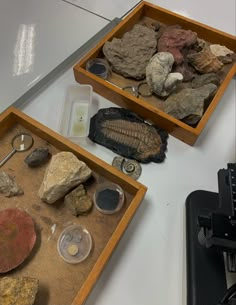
147,110
59,282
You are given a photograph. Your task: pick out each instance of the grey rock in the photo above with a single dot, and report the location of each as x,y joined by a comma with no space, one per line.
204,79
189,102
38,157
158,76
129,55
64,172
8,186
78,202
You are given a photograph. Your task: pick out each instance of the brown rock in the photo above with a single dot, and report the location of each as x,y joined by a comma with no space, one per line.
129,55
18,291
8,187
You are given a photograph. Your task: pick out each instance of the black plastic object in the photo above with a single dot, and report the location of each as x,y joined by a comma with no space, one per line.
206,279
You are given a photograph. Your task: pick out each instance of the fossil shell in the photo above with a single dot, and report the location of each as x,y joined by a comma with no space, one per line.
205,61
130,167
128,135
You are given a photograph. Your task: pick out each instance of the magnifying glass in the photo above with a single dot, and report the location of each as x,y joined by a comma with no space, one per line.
20,142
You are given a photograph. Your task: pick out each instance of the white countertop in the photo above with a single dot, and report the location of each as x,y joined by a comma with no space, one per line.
148,266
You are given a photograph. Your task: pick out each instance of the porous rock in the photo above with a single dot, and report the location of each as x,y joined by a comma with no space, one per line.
64,172
8,186
18,291
208,78
129,55
173,40
78,202
158,76
189,102
38,157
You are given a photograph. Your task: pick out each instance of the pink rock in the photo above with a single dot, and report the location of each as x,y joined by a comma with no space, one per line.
174,40
17,238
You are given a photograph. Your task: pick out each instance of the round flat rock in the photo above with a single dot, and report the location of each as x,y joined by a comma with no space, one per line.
17,238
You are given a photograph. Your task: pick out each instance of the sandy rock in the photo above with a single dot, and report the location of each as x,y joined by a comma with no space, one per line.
129,55
64,172
8,186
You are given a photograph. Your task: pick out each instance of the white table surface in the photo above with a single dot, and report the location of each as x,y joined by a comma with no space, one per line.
148,266
35,37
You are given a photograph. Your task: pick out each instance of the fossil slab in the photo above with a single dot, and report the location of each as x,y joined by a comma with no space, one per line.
204,79
18,291
64,172
8,186
174,40
189,102
38,157
158,74
78,202
17,238
128,135
205,61
129,55
131,168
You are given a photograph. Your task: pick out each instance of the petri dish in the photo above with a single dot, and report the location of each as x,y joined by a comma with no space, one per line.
108,198
99,67
74,244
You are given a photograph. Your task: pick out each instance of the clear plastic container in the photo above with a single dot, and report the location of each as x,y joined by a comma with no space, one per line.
108,198
74,244
76,114
99,67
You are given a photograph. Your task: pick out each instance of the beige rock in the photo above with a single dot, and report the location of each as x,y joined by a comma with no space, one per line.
219,50
64,172
18,291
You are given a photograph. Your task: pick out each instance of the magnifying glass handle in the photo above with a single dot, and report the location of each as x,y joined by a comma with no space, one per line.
3,161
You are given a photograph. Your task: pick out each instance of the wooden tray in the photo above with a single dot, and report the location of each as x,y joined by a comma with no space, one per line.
148,107
61,283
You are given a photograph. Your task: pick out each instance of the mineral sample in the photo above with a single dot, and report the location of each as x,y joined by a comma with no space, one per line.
158,76
129,55
8,187
205,61
17,238
128,135
189,102
78,202
204,79
18,291
64,172
219,50
174,40
38,157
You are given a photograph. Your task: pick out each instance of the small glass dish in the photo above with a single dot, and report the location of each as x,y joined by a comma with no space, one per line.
99,67
108,198
74,244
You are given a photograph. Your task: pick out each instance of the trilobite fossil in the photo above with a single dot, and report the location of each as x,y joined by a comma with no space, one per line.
128,135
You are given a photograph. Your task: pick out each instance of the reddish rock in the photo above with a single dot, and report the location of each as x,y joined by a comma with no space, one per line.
17,238
174,40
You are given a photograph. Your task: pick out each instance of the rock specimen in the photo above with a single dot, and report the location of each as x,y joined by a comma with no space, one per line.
204,79
131,168
78,202
205,61
8,187
158,76
189,102
17,238
38,157
18,291
64,172
219,50
129,55
128,135
174,40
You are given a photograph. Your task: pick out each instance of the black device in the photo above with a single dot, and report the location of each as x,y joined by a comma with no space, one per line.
211,233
